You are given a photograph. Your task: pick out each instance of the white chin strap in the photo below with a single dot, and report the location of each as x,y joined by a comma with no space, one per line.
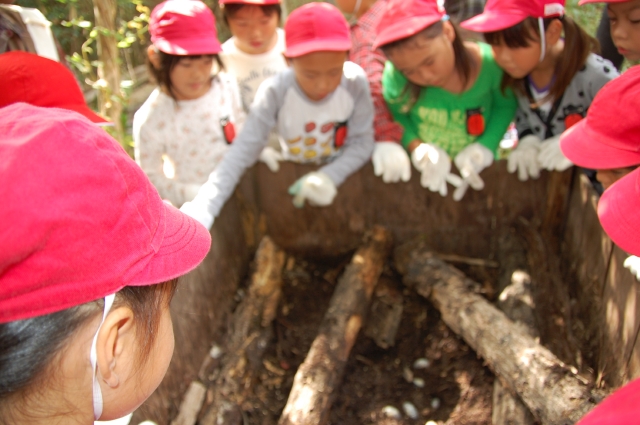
93,356
543,41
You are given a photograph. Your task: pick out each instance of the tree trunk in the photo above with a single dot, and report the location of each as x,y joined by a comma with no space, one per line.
553,393
248,337
109,94
321,372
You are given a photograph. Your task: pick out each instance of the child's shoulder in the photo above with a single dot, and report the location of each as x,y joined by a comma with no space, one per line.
156,102
596,64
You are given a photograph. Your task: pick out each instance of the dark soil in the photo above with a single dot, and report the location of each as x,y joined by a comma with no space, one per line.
374,377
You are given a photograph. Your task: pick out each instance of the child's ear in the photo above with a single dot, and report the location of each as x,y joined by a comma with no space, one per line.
448,31
154,56
115,344
553,32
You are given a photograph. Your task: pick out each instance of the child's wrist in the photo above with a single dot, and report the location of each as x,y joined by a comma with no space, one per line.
413,145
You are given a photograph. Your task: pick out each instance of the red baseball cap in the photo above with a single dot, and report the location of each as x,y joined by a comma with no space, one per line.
253,2
609,137
27,77
583,2
184,28
619,408
404,18
502,14
316,27
80,218
619,212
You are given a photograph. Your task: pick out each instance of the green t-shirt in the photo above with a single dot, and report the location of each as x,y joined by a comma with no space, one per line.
453,121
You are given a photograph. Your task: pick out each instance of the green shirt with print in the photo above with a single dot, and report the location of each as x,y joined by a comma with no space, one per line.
453,121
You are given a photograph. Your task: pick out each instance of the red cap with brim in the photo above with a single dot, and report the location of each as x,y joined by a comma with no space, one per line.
609,137
184,28
85,221
502,14
27,77
316,27
252,2
619,213
619,408
405,18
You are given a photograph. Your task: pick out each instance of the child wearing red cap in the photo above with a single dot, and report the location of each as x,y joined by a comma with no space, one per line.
89,257
606,143
549,61
625,32
320,106
184,128
445,93
390,160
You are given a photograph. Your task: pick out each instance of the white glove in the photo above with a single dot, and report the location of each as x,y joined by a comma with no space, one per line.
271,157
470,162
199,212
391,161
316,187
525,158
435,167
633,264
551,157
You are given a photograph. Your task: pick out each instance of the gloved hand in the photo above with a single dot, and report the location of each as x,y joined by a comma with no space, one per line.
391,161
525,158
470,162
633,264
316,187
435,167
271,157
198,212
551,157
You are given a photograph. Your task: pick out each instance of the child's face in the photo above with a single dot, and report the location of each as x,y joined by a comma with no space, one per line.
609,177
625,28
518,62
191,77
319,73
254,32
429,62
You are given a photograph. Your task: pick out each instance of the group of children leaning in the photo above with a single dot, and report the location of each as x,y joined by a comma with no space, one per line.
91,253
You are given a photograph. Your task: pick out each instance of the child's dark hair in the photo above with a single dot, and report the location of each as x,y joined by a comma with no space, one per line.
463,59
229,10
28,347
577,47
162,74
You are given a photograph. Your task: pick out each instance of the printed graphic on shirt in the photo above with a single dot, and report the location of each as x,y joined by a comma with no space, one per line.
475,122
573,114
312,132
448,129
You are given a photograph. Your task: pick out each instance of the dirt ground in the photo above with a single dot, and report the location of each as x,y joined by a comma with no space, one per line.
457,387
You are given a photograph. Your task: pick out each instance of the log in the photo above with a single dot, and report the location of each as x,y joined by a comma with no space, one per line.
516,302
385,314
552,391
321,372
191,404
247,338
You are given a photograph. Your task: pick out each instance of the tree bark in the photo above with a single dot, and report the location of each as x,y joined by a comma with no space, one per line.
248,337
553,393
320,374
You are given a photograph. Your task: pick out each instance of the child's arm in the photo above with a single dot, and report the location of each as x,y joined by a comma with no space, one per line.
359,143
393,86
502,113
244,152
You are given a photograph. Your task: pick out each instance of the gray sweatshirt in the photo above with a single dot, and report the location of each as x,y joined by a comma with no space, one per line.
336,131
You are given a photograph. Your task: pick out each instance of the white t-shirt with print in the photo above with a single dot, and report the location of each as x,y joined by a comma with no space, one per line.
179,143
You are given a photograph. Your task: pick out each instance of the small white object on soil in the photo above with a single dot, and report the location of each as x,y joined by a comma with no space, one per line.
418,382
431,423
421,363
391,412
435,403
407,374
410,410
215,352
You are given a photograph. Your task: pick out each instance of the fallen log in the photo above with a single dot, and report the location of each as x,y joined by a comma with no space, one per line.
247,338
551,390
516,302
321,372
385,314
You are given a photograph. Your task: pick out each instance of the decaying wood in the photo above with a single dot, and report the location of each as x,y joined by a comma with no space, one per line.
451,258
551,390
385,314
248,337
191,404
321,372
516,302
